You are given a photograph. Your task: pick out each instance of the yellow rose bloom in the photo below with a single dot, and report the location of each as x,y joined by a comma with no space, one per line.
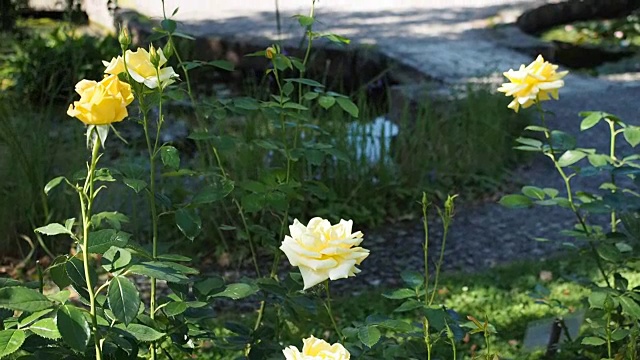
323,251
536,82
141,68
316,349
101,103
115,66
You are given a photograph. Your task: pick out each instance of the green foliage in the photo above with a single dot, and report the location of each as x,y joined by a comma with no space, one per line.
614,304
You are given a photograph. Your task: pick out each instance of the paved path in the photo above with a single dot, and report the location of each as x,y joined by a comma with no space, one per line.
451,42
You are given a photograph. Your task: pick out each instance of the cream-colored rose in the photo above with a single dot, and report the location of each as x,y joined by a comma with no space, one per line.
101,103
316,349
323,251
536,82
141,69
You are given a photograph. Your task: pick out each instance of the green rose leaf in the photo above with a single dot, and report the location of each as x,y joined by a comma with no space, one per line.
53,229
58,273
73,327
175,308
142,332
632,135
135,184
570,157
45,328
115,259
630,307
400,294
593,341
214,192
238,291
348,106
222,64
158,270
534,192
369,335
124,299
326,101
10,341
592,119
23,299
597,299
305,20
100,241
170,157
52,184
188,222
305,82
516,201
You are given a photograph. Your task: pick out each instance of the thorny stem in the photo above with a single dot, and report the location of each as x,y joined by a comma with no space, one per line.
87,192
567,184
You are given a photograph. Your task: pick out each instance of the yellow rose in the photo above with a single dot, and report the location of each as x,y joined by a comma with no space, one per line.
141,68
101,103
323,251
316,349
115,66
536,82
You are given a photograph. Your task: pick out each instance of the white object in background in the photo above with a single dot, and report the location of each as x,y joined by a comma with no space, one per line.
368,139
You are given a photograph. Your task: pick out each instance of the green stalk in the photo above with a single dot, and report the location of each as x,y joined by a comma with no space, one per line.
608,330
612,155
425,247
87,192
567,184
327,305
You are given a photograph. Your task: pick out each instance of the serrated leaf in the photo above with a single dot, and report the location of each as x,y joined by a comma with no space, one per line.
73,327
348,106
143,333
100,241
409,305
570,157
188,222
170,157
124,299
23,299
52,184
412,278
11,341
597,299
515,201
45,328
28,319
158,270
115,259
369,335
175,308
237,291
630,307
53,229
305,20
632,135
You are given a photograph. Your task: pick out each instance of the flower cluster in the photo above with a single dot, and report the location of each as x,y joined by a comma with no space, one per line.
323,251
105,102
316,349
536,82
